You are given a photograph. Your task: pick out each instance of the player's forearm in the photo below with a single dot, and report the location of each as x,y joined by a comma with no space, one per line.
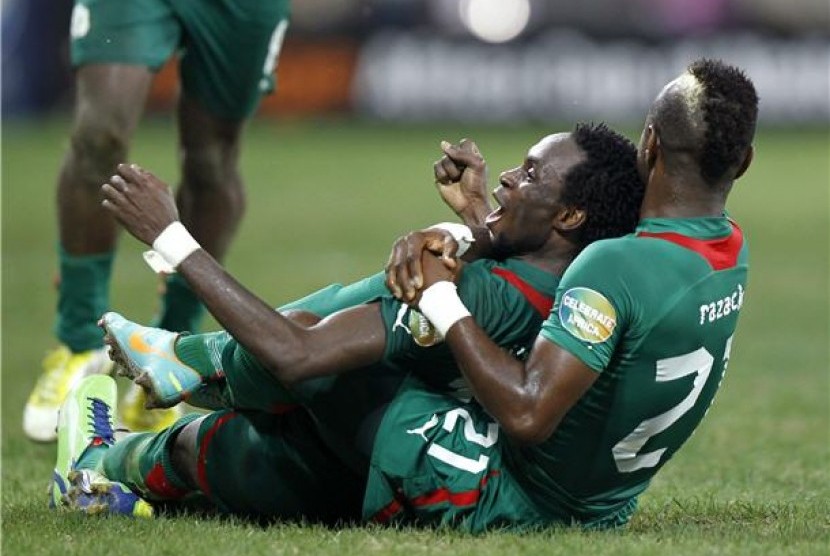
294,348
270,337
475,213
498,381
482,247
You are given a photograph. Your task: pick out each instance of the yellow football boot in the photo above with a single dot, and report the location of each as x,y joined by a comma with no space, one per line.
134,417
62,370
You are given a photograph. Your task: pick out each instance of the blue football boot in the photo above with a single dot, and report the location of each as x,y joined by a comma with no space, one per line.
147,357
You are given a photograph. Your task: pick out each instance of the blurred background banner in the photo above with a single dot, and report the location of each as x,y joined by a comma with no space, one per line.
568,76
482,60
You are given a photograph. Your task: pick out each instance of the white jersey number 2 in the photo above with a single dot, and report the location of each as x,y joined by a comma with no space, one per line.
626,452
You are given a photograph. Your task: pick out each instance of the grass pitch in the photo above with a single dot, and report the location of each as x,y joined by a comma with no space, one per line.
325,202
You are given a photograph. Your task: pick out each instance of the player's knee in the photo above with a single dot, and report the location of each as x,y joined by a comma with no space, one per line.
98,146
303,318
185,452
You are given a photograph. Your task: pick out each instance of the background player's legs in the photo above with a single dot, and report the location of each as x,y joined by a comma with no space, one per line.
210,197
110,100
223,79
211,203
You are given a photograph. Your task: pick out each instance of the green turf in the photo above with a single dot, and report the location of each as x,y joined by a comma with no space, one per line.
325,201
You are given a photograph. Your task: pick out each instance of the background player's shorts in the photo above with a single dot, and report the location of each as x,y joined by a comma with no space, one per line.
228,48
263,466
438,461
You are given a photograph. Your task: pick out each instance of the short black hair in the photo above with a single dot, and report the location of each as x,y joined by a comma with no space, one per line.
708,120
605,184
730,111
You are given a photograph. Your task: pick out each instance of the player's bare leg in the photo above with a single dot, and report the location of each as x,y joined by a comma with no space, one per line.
110,100
210,198
184,454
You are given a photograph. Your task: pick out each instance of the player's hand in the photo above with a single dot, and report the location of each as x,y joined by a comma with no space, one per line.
435,270
404,269
461,179
140,201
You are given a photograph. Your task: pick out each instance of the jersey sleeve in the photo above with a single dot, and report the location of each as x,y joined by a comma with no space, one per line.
593,306
498,307
336,297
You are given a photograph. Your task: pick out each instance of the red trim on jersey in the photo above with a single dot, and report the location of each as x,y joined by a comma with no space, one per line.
387,512
720,253
157,483
466,498
443,494
541,302
437,496
201,462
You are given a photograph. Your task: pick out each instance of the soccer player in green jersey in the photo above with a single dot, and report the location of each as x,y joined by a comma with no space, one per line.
227,51
631,356
253,462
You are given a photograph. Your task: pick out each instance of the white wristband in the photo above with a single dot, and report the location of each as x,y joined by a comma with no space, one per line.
462,235
442,306
170,248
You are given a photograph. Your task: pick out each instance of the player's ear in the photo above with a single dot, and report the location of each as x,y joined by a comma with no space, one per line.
652,146
569,219
750,153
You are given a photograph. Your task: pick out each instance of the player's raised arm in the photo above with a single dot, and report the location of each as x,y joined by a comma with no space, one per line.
144,205
461,180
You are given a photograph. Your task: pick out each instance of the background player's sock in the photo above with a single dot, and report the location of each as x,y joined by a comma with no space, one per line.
181,310
83,296
143,462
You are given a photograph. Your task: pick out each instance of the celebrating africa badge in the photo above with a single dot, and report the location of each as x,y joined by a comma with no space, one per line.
423,332
587,315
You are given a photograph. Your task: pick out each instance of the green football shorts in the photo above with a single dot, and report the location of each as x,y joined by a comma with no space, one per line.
438,461
274,467
228,48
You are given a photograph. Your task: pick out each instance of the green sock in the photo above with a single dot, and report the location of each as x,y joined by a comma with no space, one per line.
250,384
91,457
203,352
83,296
181,310
335,297
142,461
246,385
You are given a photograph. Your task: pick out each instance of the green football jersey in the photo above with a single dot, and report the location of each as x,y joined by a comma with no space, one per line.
435,448
654,313
509,299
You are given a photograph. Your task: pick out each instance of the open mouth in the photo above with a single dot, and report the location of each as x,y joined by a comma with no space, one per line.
497,214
